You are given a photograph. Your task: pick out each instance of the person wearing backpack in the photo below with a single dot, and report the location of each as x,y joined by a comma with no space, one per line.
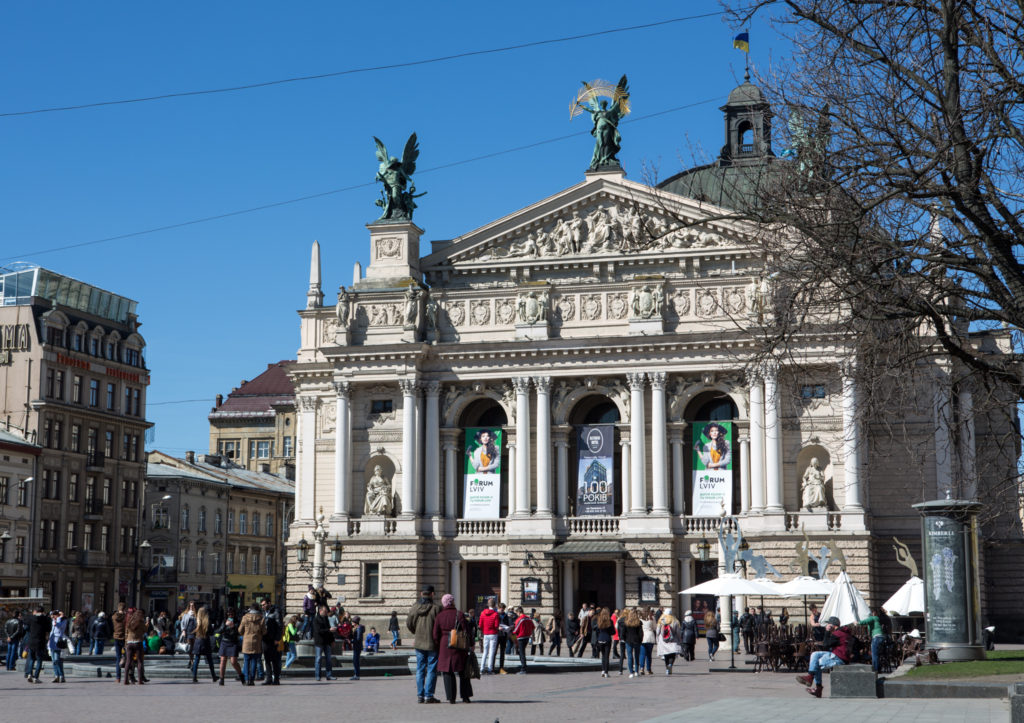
881,629
273,632
669,639
837,652
688,634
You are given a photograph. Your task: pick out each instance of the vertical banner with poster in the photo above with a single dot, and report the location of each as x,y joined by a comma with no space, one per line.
482,500
595,487
712,468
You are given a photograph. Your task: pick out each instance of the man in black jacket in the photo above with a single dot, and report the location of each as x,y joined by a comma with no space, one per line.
271,655
39,627
747,628
14,631
323,638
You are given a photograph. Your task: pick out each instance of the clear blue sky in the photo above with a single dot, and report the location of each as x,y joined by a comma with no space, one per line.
218,299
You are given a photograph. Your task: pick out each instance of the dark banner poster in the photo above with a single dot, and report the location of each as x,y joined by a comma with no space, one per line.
945,575
595,486
482,500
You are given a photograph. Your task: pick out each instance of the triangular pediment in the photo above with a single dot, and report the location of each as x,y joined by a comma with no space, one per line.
604,218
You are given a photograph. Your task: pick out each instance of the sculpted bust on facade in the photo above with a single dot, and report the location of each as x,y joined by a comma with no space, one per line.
379,500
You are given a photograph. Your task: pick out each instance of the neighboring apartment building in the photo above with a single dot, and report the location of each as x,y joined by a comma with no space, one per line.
17,473
183,538
255,426
74,377
259,508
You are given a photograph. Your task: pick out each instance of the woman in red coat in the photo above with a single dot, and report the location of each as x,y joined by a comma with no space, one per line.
451,662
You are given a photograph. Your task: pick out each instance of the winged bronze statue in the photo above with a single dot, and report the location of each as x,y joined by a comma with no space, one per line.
397,196
607,140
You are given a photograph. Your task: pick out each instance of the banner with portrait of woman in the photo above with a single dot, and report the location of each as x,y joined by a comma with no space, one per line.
482,499
712,468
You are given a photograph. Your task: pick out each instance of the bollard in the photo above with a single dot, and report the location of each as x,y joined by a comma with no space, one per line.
1017,703
99,672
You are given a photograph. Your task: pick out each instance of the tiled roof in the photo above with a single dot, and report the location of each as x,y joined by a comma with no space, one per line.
255,398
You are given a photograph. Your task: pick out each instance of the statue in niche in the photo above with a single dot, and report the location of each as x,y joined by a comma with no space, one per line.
412,306
812,486
341,310
432,312
379,499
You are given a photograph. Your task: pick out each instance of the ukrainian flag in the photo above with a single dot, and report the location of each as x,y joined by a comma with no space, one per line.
742,41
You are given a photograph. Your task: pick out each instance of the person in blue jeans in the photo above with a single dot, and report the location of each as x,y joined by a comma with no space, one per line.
420,622
837,652
58,644
881,627
14,631
358,631
98,631
39,626
251,629
323,638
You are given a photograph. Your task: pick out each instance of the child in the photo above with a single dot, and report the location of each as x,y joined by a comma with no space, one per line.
372,642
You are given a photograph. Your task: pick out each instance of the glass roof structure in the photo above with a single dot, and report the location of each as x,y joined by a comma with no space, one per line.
18,286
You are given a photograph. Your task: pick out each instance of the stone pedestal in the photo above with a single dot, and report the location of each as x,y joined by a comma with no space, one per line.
853,681
646,327
539,330
394,252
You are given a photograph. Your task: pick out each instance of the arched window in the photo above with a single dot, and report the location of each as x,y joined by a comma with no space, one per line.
746,137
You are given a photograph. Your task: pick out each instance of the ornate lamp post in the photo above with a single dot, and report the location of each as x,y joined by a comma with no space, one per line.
319,543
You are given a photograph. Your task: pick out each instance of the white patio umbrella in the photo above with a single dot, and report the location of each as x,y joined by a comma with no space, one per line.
908,600
845,602
731,585
803,586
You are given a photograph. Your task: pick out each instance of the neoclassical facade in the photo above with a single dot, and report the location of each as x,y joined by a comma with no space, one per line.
558,316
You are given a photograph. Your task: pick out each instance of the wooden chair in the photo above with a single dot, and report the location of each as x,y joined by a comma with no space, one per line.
762,656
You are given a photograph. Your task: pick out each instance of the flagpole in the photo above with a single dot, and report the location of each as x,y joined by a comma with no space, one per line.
746,60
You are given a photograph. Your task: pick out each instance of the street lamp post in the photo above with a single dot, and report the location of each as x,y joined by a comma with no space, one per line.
319,544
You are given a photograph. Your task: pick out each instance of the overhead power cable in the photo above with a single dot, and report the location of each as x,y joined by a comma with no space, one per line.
353,71
276,204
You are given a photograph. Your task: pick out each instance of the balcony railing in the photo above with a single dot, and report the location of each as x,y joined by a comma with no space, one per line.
480,528
92,509
94,459
708,525
592,525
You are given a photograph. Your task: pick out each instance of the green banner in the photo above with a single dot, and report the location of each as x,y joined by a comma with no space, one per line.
712,468
482,500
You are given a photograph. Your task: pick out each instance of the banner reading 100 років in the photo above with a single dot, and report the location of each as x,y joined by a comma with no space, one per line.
595,485
482,500
712,468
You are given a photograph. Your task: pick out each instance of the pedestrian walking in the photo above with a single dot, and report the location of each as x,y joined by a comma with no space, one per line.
290,636
747,628
505,622
452,659
273,632
669,640
356,639
230,646
688,635
881,630
251,628
58,644
586,621
76,633
395,629
202,644
134,642
647,642
522,631
537,639
572,631
420,622
186,634
631,633
711,633
14,633
323,639
489,623
99,631
604,632
554,631
36,637
117,623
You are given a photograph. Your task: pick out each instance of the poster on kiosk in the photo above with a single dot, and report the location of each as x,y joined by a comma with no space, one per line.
595,487
712,468
482,500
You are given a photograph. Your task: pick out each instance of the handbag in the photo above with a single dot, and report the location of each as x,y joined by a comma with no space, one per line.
281,645
182,646
62,644
473,665
457,636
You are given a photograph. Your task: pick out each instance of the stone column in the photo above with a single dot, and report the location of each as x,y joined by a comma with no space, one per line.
513,473
620,584
568,589
420,493
522,387
626,484
432,448
685,581
772,440
455,580
851,442
678,488
543,386
637,475
408,387
505,583
562,454
744,473
305,489
659,476
756,444
342,460
451,500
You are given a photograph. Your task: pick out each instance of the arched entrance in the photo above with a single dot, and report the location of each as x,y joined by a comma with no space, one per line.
711,446
593,409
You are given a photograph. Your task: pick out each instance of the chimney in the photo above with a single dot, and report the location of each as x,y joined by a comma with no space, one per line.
190,457
220,400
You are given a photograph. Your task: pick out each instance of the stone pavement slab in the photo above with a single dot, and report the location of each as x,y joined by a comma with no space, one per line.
785,710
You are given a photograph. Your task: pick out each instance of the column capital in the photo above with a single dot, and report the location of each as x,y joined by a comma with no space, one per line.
543,384
308,402
635,380
342,387
561,442
521,385
657,380
408,386
624,443
432,388
848,369
744,438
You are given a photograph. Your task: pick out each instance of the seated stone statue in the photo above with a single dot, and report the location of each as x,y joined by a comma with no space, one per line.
379,500
812,486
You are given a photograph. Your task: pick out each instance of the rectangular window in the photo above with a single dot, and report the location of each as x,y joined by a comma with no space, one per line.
76,342
270,525
256,563
126,444
183,562
49,383
5,483
55,484
227,448
47,433
76,389
263,450
73,487
90,489
111,396
70,544
287,444
58,434
94,393
90,446
19,550
269,558
218,522
108,444
87,531
124,541
252,450
371,579
58,391
110,350
381,406
242,560
216,563
812,391
231,522
105,538
127,399
202,519
231,563
242,523
107,491
136,397
94,346
22,494
134,456
76,437
256,524
201,563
